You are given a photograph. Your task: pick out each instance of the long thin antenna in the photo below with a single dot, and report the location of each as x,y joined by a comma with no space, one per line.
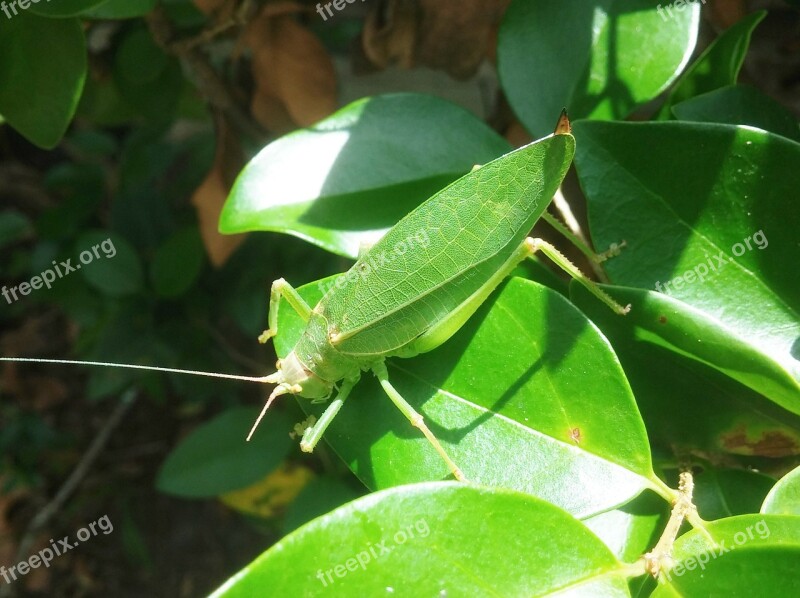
276,392
260,379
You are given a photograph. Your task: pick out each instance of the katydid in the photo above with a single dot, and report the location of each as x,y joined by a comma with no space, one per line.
419,300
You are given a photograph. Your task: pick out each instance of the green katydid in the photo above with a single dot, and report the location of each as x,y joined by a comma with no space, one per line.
412,308
421,299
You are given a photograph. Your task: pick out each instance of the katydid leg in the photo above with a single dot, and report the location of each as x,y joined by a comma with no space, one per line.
562,262
312,435
415,418
281,288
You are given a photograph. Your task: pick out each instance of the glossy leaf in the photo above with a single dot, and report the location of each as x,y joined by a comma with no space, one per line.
599,59
711,231
633,529
718,65
740,105
47,59
720,493
756,555
320,496
784,498
346,180
62,8
421,541
529,377
726,416
214,458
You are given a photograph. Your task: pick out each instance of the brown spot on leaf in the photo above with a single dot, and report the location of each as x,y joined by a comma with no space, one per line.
769,443
575,434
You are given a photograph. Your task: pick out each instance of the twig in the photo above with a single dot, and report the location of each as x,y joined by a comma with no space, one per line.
684,509
43,517
206,78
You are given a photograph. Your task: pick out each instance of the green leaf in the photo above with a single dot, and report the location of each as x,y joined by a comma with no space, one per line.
599,59
727,417
62,8
320,496
346,180
421,541
177,263
109,263
149,80
756,555
215,458
42,72
720,493
784,498
633,529
712,230
544,403
717,66
122,9
740,105
14,225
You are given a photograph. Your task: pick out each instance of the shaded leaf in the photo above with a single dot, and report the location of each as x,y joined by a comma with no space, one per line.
62,8
215,458
588,56
740,105
720,493
47,59
708,229
718,65
632,529
177,263
117,271
727,417
346,180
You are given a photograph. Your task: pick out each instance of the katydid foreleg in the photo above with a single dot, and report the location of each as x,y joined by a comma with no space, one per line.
312,434
281,288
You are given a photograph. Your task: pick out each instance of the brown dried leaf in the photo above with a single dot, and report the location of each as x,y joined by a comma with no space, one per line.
292,69
222,7
210,196
724,13
451,36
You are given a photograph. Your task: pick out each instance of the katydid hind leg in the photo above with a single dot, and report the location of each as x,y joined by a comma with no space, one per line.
414,417
561,261
281,288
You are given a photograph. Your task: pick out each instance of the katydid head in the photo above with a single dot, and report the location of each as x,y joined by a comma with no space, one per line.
295,378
